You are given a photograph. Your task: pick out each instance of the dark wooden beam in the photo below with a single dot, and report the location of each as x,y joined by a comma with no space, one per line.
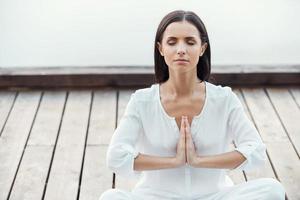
140,76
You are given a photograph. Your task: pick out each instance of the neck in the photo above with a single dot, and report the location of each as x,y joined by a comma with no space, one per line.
182,84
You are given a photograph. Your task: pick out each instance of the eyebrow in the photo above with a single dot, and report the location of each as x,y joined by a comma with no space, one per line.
190,37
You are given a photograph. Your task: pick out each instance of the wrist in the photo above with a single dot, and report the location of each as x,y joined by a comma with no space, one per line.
175,162
196,162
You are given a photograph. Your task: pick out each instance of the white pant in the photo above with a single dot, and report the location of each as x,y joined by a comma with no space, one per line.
258,189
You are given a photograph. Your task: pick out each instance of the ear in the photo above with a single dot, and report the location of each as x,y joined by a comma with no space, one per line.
203,48
159,46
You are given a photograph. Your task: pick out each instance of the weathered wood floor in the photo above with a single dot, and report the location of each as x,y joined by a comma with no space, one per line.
53,143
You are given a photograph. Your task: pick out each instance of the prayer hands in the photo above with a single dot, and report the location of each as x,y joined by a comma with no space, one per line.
186,152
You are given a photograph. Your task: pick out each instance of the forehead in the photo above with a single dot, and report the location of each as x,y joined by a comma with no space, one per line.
181,29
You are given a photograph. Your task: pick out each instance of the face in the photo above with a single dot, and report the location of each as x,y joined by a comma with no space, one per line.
181,46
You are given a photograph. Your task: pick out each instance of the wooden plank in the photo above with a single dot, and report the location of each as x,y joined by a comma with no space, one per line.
65,171
140,76
283,156
33,170
14,137
103,117
6,103
31,177
289,114
45,129
124,96
142,69
295,91
266,170
96,177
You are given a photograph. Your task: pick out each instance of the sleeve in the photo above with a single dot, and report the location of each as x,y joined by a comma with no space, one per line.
245,136
121,150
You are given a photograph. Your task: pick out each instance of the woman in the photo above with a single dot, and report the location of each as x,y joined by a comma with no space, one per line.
175,135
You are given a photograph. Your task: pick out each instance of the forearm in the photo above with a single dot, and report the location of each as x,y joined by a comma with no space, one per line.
146,162
229,160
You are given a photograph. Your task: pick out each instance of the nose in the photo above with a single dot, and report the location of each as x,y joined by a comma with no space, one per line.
181,50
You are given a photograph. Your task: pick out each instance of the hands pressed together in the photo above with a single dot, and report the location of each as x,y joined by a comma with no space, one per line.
186,152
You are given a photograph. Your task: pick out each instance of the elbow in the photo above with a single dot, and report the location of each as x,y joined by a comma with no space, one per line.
262,156
119,160
112,161
109,163
109,160
256,157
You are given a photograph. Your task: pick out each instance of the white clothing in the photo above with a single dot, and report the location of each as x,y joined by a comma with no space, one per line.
258,189
145,127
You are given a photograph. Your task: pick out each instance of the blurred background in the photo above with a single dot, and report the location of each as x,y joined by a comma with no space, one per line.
39,33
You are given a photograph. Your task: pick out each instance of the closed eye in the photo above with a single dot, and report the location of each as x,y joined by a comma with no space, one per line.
189,43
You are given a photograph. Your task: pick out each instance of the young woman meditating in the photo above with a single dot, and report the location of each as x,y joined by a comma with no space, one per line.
175,135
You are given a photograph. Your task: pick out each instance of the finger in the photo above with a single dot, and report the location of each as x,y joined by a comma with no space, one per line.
182,126
186,121
189,143
188,130
188,136
182,123
187,125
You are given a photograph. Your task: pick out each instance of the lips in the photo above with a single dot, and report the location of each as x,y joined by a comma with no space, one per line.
181,60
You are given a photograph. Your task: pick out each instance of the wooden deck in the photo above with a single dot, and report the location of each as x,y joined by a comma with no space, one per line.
53,143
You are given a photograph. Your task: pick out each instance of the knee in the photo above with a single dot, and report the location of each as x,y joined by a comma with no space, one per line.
274,189
108,194
115,194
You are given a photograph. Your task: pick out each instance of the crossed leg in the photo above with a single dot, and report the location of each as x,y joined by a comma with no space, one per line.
258,189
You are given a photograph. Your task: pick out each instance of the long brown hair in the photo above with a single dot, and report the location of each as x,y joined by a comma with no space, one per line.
203,66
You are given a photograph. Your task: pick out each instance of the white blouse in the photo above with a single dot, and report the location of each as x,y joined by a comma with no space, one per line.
145,127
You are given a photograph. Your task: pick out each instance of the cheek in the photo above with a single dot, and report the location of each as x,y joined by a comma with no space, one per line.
194,55
169,51
169,55
195,60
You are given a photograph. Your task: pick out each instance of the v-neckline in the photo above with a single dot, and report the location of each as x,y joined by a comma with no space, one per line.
173,119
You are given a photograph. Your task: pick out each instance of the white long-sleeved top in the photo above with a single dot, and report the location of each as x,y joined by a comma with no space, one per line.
145,127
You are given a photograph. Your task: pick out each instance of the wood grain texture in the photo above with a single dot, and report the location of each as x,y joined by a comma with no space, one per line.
96,177
266,170
14,137
65,171
6,102
140,76
283,157
32,136
31,178
295,92
288,113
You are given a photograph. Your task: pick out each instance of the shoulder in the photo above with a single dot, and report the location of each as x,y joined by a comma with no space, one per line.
224,95
143,99
145,94
219,91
